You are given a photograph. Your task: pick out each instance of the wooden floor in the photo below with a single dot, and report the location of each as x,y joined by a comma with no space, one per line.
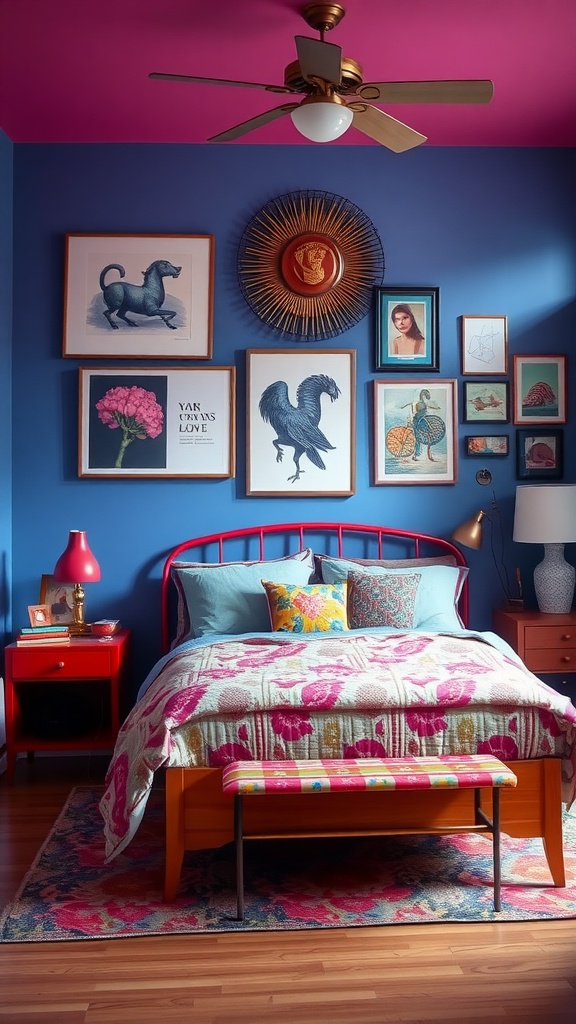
462,973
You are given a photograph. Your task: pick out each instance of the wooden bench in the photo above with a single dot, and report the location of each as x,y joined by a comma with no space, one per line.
372,775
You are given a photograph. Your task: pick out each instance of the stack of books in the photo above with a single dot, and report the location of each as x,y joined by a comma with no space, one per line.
41,635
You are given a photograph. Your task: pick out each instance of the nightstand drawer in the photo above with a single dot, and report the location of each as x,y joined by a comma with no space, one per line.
62,663
547,660
550,637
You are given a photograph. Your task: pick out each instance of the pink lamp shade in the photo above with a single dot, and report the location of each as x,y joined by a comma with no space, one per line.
77,563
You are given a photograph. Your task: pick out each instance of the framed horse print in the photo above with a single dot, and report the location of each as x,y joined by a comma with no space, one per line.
138,296
414,432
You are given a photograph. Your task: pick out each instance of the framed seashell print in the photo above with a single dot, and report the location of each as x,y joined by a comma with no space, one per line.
539,454
540,389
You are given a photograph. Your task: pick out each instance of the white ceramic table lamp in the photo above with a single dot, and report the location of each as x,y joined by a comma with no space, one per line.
546,514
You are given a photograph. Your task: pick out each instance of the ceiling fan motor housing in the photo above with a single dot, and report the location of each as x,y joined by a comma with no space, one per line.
351,78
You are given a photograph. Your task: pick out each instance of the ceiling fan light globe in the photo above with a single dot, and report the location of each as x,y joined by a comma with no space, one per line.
322,121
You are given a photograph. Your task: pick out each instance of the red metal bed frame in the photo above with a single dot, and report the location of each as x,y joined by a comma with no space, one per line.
377,537
200,816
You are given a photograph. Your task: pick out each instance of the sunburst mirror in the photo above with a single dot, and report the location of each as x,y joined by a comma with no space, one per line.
308,263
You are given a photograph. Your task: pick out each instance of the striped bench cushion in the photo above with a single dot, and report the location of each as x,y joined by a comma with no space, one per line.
465,771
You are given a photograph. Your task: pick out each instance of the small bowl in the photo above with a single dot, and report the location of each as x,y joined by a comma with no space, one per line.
104,627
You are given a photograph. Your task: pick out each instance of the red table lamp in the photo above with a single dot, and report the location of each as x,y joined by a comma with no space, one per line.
77,565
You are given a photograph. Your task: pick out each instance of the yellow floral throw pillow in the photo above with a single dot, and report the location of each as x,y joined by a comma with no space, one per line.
316,608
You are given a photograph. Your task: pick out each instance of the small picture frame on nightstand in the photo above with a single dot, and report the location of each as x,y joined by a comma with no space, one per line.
39,614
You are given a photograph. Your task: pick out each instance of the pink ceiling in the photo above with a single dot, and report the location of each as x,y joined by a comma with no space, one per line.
76,70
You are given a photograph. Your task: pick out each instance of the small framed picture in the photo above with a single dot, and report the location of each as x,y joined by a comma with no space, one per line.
540,389
39,614
407,329
58,598
539,454
414,432
483,447
484,345
486,402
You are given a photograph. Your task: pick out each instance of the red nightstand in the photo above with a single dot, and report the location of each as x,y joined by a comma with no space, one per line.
64,697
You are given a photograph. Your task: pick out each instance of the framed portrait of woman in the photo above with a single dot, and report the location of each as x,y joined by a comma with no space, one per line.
407,329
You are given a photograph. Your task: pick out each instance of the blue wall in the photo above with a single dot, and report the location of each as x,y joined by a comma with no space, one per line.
494,229
6,189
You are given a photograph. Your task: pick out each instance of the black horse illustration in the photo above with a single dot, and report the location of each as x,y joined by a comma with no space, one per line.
146,299
297,426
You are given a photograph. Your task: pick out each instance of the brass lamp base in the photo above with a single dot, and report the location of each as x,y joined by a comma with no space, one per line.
80,629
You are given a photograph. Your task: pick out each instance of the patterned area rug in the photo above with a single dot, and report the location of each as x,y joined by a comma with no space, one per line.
69,893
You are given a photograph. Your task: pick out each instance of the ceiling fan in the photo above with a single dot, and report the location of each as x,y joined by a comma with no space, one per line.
327,79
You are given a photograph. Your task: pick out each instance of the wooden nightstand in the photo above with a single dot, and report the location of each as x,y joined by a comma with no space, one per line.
545,642
64,697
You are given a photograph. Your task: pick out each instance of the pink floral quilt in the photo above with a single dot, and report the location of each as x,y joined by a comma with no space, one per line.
361,694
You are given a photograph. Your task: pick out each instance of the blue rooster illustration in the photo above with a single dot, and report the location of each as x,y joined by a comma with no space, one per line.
297,426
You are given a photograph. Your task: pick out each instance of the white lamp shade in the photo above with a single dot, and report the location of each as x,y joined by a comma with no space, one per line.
322,121
545,514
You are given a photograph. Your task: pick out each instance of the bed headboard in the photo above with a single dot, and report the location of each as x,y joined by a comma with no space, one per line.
351,540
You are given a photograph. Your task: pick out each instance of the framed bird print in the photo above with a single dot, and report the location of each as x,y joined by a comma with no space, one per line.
301,422
414,432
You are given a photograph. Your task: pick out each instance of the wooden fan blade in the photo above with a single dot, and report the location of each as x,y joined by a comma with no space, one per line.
385,129
219,81
254,122
427,92
318,59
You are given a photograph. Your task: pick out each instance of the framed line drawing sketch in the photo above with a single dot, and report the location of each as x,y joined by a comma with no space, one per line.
539,454
138,296
486,402
301,422
540,389
484,345
59,597
485,446
157,422
407,329
415,432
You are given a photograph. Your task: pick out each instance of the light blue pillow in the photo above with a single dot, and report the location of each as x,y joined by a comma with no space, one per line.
230,598
439,588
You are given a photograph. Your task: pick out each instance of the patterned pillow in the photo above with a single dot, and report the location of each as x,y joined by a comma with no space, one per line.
382,600
316,608
439,589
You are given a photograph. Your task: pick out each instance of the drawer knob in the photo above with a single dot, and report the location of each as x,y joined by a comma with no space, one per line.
566,658
59,664
566,636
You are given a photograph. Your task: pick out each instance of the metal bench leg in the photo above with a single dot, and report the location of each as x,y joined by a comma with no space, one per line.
494,827
496,846
239,844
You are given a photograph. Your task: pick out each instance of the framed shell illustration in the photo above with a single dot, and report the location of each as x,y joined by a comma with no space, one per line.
540,389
